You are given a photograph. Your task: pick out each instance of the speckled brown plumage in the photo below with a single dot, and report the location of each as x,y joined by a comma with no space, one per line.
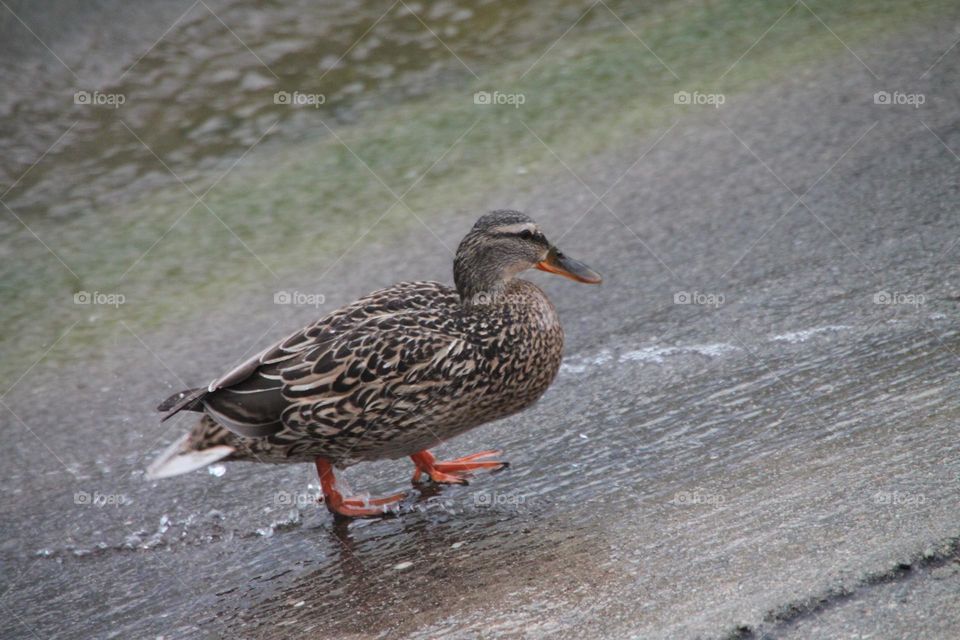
396,376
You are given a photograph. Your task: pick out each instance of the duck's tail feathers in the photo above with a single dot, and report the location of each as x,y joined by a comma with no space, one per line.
180,457
189,400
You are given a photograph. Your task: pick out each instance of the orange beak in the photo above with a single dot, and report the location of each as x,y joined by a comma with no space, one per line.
557,263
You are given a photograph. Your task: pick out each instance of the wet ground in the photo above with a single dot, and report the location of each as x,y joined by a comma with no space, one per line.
753,434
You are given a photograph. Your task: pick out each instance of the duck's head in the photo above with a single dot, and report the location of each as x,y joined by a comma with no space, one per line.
503,244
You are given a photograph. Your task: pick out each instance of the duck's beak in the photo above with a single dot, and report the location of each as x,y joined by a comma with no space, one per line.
556,262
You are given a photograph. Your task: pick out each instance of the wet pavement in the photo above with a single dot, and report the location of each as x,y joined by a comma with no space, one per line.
753,434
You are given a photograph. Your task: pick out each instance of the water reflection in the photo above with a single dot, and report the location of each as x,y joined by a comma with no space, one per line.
392,575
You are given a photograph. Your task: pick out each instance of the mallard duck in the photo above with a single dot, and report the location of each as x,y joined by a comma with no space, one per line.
394,373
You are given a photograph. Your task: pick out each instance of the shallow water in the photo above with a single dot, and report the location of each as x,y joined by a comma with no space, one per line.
204,94
617,501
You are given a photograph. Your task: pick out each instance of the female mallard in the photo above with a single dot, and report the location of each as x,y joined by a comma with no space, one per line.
393,374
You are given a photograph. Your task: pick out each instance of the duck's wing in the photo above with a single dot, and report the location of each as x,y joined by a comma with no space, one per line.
382,373
249,398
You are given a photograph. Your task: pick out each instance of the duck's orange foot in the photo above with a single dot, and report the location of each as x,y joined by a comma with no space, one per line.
352,507
362,507
453,471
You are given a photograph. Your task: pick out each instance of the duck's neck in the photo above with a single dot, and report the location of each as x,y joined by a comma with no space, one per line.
475,290
479,273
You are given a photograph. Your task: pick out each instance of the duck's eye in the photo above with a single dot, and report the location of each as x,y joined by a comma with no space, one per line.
526,234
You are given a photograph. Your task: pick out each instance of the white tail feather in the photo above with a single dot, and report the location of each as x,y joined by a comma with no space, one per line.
177,459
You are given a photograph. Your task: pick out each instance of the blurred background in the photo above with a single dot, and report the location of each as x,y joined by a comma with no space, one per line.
757,410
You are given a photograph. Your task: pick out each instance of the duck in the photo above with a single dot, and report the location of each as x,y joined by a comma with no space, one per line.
393,374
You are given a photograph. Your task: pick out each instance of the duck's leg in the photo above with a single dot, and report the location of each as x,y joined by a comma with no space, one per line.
351,507
453,471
